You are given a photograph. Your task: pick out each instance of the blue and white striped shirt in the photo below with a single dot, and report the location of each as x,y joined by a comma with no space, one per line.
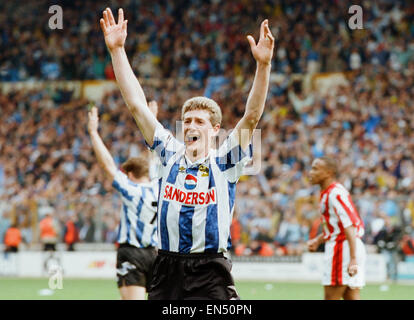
138,225
196,200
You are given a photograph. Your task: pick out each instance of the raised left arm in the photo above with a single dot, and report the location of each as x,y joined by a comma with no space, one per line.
262,52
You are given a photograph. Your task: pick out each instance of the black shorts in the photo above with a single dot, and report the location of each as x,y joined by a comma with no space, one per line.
192,277
134,265
49,247
12,249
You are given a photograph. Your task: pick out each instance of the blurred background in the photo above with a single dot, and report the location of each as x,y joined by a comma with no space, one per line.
334,91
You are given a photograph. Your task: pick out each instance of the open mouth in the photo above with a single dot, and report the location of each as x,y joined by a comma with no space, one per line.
191,138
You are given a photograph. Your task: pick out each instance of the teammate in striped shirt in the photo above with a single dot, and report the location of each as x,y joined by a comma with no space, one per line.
344,256
197,182
137,234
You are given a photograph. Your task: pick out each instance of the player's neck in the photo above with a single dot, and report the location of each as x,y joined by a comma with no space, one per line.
326,183
197,154
140,180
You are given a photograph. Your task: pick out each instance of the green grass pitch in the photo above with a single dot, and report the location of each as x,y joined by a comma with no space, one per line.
88,289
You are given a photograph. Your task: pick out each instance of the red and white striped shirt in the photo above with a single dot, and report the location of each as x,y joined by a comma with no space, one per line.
338,212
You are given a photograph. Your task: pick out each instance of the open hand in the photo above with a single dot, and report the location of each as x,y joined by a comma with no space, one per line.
263,50
114,33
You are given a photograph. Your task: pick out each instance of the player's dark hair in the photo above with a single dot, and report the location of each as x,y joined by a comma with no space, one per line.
138,166
331,165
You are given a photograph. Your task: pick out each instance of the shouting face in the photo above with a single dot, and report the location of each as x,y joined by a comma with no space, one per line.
198,132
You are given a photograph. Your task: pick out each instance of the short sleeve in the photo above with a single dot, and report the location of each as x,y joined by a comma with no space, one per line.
155,167
123,185
231,159
165,145
345,209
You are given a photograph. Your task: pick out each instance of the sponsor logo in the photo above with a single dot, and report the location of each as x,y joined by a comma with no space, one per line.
190,182
172,193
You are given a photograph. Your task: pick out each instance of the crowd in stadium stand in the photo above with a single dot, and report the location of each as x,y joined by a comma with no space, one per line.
198,39
367,125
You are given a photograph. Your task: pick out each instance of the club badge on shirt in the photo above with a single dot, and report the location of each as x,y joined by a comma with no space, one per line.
204,170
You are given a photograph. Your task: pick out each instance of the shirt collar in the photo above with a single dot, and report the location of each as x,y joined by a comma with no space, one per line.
328,188
196,163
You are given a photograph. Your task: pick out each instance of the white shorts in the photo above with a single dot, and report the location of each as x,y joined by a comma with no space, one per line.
336,261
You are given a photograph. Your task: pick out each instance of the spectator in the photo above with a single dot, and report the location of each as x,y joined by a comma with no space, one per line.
87,232
355,62
407,245
387,241
49,231
109,72
235,232
167,36
12,239
71,233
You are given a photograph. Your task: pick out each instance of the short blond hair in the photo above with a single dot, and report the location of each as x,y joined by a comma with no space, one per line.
203,103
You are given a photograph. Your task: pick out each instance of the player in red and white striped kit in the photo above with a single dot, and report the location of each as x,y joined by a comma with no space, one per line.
344,258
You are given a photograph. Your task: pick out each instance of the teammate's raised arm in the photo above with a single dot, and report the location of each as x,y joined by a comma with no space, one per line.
105,159
115,35
262,53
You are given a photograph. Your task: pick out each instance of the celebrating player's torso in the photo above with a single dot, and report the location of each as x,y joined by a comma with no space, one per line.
338,212
196,199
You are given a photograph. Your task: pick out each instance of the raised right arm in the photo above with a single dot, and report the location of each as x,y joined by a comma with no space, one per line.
134,97
105,159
